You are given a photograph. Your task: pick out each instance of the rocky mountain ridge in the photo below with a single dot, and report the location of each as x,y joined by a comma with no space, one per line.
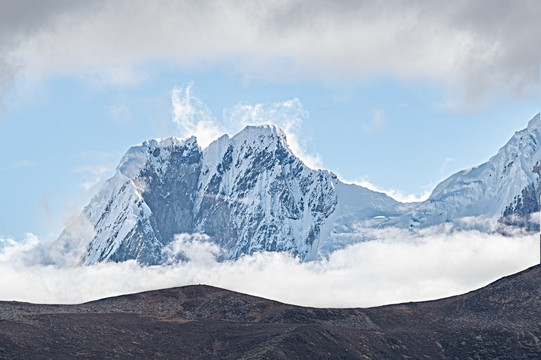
250,193
505,188
247,193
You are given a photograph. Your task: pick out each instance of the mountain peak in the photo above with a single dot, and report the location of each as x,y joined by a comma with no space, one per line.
264,129
138,156
267,133
246,193
535,122
155,149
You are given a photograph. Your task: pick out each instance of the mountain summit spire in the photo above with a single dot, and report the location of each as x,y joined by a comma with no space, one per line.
249,193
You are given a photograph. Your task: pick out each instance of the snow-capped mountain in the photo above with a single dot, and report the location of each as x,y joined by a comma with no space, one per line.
505,189
248,193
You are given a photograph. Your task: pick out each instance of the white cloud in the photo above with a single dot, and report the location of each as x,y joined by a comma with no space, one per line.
193,117
376,123
397,266
10,250
196,248
25,163
94,176
288,115
120,113
406,197
444,167
19,165
397,194
471,47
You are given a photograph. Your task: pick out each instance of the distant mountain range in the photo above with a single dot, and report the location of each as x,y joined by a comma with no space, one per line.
250,193
506,188
499,321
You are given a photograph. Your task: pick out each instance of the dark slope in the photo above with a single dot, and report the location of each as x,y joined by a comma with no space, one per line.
501,320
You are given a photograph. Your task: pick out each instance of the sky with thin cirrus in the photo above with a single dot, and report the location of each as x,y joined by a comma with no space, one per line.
389,94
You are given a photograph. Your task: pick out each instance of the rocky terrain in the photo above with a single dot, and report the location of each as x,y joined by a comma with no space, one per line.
501,320
249,193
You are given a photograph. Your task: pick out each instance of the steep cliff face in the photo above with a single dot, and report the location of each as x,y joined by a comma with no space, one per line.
255,195
522,213
506,187
149,199
248,193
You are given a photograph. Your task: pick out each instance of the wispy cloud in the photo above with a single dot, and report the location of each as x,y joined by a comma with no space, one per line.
19,165
376,122
94,176
193,117
444,167
288,115
120,113
25,163
95,167
406,197
397,194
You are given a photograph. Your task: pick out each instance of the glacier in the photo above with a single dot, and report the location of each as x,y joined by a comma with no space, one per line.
249,193
477,198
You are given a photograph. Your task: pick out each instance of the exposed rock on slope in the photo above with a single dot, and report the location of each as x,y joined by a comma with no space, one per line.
250,193
247,193
505,186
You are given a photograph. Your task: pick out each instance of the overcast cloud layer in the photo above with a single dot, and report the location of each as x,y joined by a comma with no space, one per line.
476,46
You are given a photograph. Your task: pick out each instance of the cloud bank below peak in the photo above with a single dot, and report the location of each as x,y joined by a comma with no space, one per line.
396,266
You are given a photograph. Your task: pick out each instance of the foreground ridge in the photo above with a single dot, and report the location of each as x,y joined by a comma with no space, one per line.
500,320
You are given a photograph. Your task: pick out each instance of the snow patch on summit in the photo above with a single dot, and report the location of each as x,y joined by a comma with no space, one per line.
484,191
249,193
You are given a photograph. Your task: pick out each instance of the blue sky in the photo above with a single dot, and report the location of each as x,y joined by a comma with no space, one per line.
396,96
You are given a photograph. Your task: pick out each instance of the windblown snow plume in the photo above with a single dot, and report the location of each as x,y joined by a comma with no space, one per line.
193,117
288,115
